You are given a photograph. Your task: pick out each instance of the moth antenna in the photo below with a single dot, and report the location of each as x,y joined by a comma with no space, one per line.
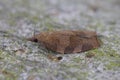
34,33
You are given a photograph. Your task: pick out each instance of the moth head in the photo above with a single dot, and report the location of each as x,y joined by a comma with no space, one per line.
38,38
33,39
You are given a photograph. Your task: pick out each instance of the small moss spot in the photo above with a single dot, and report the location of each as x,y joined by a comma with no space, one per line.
113,65
90,55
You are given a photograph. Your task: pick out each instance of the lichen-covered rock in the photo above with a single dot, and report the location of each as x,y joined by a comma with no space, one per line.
22,60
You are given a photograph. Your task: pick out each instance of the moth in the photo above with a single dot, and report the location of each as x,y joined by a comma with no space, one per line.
68,41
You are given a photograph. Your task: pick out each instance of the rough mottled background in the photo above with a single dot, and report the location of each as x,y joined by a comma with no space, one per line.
24,60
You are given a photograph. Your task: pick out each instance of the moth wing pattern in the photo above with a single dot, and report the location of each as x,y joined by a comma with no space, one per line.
74,45
58,42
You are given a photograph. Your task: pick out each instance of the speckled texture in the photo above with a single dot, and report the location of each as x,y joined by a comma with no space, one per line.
24,60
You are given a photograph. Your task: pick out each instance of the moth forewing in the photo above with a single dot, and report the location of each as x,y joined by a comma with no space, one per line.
68,41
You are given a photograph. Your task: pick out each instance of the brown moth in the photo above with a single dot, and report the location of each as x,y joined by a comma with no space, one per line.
68,41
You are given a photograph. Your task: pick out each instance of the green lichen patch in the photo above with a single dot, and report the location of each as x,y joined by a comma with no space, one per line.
97,53
77,59
8,75
113,65
108,53
89,55
114,55
1,55
109,58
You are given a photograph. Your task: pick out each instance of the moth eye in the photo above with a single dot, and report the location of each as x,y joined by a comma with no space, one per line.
35,40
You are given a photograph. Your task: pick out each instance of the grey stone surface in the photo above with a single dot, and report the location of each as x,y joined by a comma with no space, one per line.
24,60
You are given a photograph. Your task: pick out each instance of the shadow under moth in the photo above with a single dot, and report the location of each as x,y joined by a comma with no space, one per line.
67,41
